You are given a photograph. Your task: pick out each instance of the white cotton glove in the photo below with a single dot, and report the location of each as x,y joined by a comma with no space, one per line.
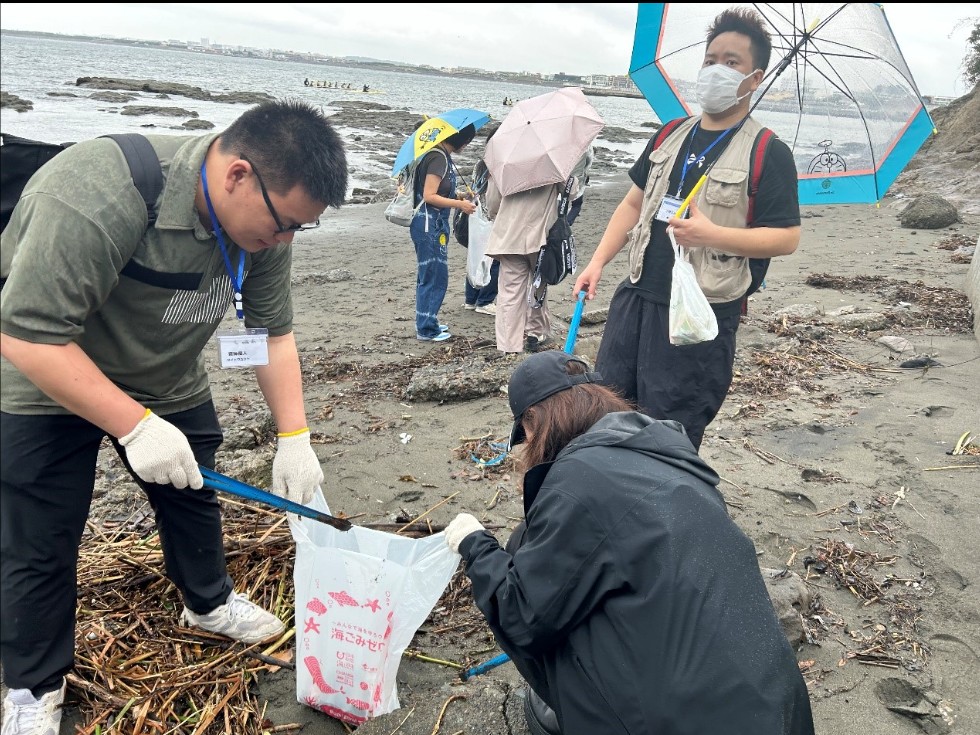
459,528
158,452
296,471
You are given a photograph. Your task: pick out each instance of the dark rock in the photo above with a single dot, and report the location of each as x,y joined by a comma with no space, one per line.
197,124
14,102
113,97
790,599
929,212
135,110
168,88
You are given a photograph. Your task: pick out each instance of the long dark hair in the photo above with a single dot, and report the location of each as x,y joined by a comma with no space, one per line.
552,423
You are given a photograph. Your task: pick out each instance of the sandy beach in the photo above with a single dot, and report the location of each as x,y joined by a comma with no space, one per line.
835,460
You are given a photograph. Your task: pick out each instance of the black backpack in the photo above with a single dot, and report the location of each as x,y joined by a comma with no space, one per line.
20,158
556,259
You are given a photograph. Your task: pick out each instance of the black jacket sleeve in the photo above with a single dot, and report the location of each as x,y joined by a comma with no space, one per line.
564,569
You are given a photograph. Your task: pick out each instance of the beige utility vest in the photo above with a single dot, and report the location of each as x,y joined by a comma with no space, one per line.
724,199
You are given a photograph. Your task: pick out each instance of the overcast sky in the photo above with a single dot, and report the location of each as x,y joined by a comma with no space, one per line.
575,38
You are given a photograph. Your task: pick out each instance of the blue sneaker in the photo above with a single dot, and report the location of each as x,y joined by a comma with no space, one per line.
441,337
443,327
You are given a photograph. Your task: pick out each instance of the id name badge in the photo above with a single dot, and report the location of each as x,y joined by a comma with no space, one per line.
243,348
668,208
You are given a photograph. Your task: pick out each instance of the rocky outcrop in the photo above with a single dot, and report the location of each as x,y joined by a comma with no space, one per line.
170,88
14,102
949,162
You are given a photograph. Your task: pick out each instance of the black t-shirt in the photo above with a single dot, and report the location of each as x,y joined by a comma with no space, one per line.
776,203
435,162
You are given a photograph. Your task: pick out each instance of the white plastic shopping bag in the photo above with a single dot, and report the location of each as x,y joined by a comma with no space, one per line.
477,263
691,318
360,597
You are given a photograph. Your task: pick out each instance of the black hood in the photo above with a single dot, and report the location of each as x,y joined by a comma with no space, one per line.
663,440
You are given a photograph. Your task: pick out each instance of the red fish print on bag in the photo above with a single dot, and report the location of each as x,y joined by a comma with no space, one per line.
344,599
313,666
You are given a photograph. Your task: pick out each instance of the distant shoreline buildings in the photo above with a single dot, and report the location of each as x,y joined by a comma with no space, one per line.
619,85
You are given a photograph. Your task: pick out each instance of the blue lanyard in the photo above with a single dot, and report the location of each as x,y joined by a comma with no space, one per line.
704,153
236,281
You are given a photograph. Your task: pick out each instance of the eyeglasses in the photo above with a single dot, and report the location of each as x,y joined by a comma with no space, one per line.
280,229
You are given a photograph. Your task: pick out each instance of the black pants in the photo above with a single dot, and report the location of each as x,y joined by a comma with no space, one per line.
685,383
47,471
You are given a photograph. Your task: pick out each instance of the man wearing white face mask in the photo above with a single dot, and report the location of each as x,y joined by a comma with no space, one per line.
724,227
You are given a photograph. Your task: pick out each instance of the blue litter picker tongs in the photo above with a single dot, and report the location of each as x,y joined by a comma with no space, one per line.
222,483
573,327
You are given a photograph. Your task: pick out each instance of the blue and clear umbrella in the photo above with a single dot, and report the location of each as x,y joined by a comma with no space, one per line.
435,130
837,91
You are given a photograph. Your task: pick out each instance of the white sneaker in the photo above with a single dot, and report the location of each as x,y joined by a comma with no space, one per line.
489,309
238,618
24,715
469,307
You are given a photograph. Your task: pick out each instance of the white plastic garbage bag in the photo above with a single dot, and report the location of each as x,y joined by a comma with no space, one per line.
477,263
360,597
691,318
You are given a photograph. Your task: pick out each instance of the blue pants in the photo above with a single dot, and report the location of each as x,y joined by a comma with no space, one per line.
430,234
47,469
487,294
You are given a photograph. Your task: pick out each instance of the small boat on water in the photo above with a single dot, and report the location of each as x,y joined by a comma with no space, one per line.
365,89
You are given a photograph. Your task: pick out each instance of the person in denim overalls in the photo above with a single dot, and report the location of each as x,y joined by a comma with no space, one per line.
430,232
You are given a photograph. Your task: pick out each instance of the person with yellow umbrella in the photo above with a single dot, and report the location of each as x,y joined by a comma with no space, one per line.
434,180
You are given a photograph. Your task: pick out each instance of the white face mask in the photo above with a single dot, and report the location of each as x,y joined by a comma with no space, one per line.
718,88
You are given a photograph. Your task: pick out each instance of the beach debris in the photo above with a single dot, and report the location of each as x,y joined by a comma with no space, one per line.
967,444
937,307
925,708
853,568
490,455
136,668
404,437
923,361
817,475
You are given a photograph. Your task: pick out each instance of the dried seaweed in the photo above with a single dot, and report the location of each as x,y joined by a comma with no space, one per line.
138,671
938,307
136,667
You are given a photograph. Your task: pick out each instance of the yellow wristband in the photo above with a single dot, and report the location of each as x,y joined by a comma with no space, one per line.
304,430
146,415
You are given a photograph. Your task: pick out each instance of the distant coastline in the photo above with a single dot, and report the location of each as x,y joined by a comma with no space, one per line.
336,61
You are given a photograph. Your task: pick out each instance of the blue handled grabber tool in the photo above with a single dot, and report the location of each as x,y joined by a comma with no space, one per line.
222,483
484,667
576,320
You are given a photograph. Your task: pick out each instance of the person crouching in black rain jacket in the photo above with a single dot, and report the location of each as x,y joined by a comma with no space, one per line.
632,603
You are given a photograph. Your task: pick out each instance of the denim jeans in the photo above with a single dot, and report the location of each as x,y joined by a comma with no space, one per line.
430,234
487,294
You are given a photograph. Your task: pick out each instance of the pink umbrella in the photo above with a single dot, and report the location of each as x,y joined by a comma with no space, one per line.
541,140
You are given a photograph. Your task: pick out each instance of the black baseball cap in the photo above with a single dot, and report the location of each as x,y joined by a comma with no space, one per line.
541,375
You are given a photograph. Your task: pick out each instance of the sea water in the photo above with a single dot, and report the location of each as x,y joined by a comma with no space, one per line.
34,68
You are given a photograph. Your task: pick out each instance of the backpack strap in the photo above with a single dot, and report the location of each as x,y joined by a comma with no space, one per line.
144,166
755,169
755,175
665,130
563,197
